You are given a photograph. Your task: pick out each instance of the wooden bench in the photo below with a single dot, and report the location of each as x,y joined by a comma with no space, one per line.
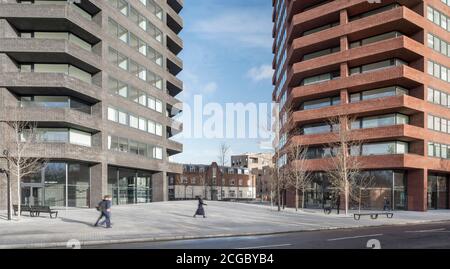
23,208
374,215
37,210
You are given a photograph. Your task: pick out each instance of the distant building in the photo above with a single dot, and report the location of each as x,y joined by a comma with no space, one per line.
213,182
259,165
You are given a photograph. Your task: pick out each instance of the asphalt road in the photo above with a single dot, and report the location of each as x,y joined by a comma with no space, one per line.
423,236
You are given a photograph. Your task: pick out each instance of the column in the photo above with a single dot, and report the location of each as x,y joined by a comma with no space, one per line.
417,190
160,188
99,183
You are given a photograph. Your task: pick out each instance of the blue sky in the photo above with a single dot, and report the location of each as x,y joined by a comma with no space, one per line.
227,59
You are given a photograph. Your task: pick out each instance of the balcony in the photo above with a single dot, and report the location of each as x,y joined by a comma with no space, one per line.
54,117
28,50
50,84
386,133
65,151
404,104
404,76
401,47
51,17
400,19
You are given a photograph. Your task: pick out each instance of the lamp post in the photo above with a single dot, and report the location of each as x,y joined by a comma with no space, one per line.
8,183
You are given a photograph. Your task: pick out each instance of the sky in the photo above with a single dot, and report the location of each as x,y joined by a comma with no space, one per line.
227,58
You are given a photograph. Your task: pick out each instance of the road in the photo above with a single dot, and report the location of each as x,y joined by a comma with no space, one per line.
428,236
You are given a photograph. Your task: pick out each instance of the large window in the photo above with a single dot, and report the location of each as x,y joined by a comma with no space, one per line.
378,93
438,97
439,71
438,150
59,35
133,121
140,97
135,69
320,78
374,11
373,39
128,186
60,135
58,68
438,18
376,66
320,53
436,43
381,148
121,144
134,41
140,20
320,103
438,124
58,184
380,121
55,102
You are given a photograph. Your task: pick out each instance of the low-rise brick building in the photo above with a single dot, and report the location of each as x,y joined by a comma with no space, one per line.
213,182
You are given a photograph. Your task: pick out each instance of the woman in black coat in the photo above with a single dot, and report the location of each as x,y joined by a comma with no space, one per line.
200,210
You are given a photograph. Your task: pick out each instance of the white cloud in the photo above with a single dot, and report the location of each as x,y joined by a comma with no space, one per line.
193,85
245,27
259,73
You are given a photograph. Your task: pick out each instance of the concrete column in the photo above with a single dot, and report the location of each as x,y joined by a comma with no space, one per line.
7,64
343,17
417,190
99,183
160,188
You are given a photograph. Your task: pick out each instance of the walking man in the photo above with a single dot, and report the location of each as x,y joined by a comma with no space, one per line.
105,208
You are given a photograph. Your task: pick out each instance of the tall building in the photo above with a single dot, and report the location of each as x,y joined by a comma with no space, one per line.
388,65
98,79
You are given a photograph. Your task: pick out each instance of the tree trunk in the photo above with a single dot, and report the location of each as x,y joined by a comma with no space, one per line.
279,197
303,198
18,192
346,197
296,199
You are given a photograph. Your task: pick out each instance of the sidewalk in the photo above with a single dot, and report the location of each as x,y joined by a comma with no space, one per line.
173,220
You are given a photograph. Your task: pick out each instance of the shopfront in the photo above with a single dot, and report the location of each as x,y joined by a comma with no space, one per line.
438,192
129,186
58,184
382,184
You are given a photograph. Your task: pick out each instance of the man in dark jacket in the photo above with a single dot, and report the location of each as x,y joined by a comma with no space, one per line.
200,210
105,208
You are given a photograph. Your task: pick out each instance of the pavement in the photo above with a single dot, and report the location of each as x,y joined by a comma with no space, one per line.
174,221
416,236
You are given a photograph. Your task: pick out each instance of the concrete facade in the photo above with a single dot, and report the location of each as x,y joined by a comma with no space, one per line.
156,24
341,41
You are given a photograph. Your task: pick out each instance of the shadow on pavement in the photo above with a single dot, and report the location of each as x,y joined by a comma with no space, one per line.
90,224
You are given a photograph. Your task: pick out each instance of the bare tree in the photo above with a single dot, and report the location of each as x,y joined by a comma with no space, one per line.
19,140
204,183
345,173
223,160
299,176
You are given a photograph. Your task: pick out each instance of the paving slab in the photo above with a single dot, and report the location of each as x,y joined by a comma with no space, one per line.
174,220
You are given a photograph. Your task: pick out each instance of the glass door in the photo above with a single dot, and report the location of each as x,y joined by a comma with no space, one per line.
32,195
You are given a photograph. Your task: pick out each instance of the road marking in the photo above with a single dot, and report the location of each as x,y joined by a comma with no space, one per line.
355,237
426,231
269,246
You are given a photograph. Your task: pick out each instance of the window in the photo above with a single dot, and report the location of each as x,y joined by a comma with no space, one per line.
439,71
134,122
112,114
376,66
378,93
80,138
316,104
438,124
320,78
438,97
374,39
438,18
438,150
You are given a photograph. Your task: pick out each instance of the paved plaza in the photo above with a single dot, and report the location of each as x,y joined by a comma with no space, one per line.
173,220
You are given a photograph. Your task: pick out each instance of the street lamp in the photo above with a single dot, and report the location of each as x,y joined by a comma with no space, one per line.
8,182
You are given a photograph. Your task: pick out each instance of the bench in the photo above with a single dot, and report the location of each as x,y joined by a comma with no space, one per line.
23,208
389,215
37,210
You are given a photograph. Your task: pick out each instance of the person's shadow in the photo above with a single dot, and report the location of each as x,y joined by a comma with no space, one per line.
77,221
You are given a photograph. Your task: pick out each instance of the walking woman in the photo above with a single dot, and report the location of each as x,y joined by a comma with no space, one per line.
200,210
